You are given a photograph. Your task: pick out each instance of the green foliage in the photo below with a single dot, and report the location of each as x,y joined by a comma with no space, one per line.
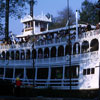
16,10
61,19
89,13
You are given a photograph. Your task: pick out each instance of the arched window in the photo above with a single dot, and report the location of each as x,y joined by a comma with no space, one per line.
85,47
68,49
7,55
17,55
53,52
27,54
34,54
40,53
12,55
3,55
60,51
46,53
22,55
76,48
94,45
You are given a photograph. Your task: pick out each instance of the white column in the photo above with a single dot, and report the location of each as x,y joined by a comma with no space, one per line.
50,52
5,55
9,55
39,26
14,73
34,26
89,45
49,75
56,51
20,54
4,72
30,24
43,53
47,27
72,49
36,69
24,73
63,75
36,53
64,49
14,55
80,47
63,71
30,53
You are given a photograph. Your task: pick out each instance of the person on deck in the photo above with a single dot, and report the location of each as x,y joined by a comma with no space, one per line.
88,27
18,84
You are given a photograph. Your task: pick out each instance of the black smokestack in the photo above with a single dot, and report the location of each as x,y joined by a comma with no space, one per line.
31,7
7,21
98,6
99,9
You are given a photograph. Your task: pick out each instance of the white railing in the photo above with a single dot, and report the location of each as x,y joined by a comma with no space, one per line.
55,60
52,41
74,58
90,33
23,45
16,62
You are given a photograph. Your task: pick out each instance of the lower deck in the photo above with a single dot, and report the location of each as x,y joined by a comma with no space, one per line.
61,76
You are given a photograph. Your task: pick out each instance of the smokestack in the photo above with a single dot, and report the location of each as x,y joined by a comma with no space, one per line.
31,7
76,25
98,6
7,22
99,9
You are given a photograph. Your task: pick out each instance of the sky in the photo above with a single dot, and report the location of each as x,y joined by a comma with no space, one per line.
46,6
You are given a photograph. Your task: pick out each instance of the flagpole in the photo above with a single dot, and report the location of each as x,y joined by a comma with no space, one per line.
68,17
31,14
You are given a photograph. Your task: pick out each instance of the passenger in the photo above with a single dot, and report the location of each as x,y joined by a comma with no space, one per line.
80,30
98,26
18,84
88,27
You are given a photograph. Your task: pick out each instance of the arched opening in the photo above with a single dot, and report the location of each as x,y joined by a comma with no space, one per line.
17,55
22,55
53,52
76,48
3,55
85,47
7,55
34,54
60,51
46,53
27,54
12,55
68,49
94,45
40,53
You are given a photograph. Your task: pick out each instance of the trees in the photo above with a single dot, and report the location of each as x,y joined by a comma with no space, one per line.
88,13
61,19
11,8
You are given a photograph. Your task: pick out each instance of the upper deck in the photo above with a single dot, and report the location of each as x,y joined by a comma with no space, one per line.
54,44
55,38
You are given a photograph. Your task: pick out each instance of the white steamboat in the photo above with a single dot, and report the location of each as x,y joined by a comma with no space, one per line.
49,64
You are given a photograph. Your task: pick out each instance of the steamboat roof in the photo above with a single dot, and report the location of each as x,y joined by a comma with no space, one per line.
41,17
